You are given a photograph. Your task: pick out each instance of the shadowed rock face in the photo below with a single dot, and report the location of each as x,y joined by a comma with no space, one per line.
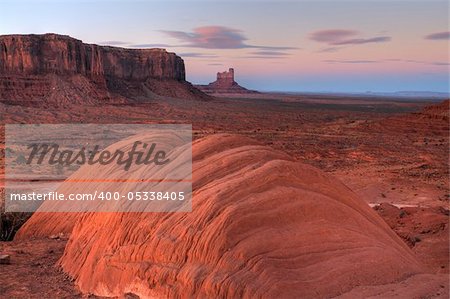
261,226
58,54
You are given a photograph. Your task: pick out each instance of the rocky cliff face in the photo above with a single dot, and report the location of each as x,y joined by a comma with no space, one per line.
33,67
58,54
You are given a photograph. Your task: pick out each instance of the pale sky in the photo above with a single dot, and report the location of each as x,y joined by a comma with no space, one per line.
304,45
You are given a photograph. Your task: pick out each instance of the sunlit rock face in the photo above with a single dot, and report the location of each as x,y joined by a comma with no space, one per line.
262,225
59,54
58,69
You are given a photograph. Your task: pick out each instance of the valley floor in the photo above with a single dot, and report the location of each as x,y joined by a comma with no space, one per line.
390,152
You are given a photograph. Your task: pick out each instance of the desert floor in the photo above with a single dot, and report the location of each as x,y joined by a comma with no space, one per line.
391,152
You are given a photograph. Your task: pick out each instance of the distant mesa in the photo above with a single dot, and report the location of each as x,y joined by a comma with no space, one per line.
224,84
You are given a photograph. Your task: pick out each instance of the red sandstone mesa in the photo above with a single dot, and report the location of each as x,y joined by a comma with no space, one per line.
262,225
58,68
63,55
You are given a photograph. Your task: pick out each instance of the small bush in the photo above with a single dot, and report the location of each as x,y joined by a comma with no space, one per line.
10,222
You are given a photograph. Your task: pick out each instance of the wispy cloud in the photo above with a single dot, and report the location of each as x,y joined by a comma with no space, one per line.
337,37
151,46
259,57
436,63
352,61
445,35
266,55
439,63
332,35
359,41
197,55
113,43
270,53
329,50
216,37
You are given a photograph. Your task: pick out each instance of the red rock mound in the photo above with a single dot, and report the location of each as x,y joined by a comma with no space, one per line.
262,225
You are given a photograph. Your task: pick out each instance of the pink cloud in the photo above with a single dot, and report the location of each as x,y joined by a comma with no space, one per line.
445,35
212,37
332,35
216,37
337,37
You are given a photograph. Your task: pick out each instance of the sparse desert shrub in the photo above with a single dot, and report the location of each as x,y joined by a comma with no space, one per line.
10,222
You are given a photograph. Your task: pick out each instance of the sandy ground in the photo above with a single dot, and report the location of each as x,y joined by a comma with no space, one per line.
380,149
37,257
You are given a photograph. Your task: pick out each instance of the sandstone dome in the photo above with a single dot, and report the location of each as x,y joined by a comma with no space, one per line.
262,225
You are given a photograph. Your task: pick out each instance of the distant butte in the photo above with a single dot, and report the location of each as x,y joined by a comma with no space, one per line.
224,84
